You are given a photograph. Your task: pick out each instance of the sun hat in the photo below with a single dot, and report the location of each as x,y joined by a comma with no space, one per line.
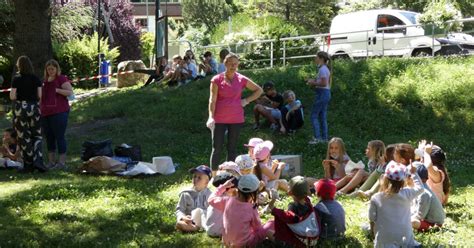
231,167
248,183
326,189
244,162
202,169
253,142
395,171
262,150
299,187
422,172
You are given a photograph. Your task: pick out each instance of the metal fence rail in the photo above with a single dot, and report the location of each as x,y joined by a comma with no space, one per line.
319,42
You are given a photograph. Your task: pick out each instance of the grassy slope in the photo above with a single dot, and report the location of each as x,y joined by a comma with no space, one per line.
389,99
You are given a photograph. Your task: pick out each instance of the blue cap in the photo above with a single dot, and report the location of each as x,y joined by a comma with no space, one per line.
202,169
422,172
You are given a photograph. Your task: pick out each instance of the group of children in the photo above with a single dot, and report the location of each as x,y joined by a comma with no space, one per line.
407,188
283,112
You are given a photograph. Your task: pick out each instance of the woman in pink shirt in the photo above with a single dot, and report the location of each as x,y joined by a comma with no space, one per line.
54,112
226,108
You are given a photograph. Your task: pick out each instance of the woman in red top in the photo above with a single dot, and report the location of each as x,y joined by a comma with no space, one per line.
226,108
54,112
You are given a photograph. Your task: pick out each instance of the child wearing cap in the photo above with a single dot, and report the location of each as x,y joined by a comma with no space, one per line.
428,211
245,164
330,211
214,219
193,203
251,145
230,167
242,225
389,211
266,170
299,226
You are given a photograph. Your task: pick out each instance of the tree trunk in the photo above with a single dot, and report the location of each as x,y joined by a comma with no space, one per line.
33,32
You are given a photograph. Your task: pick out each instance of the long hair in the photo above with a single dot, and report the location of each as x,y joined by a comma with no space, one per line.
342,152
389,151
378,151
438,158
390,187
249,196
24,65
257,170
54,64
405,151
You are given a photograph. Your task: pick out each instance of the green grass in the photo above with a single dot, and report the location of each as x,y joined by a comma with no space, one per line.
395,100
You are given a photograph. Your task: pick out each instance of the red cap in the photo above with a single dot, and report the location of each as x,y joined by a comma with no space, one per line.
325,188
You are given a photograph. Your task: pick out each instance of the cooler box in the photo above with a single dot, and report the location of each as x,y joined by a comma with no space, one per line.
294,165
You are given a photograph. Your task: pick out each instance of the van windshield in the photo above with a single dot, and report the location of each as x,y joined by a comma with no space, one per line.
410,16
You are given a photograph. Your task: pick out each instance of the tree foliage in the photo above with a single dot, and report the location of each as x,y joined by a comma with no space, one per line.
7,24
69,21
208,13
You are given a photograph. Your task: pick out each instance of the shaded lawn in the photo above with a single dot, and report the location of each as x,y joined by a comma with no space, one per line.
388,99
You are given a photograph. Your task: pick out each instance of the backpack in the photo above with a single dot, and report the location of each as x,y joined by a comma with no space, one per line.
307,230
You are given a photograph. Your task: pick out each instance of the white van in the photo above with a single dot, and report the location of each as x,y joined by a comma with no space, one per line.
356,35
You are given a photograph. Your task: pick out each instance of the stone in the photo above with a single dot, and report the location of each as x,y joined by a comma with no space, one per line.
131,79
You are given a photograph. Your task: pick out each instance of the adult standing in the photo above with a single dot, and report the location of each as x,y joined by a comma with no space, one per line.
55,112
226,108
322,84
25,94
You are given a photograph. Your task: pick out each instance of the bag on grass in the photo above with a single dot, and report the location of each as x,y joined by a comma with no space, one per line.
133,152
96,148
102,165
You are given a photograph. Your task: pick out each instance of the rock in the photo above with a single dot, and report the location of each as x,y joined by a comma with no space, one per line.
126,80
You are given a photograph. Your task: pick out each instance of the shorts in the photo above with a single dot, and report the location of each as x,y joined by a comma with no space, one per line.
425,226
276,113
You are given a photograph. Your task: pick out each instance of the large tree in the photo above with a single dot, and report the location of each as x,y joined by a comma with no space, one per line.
33,32
206,13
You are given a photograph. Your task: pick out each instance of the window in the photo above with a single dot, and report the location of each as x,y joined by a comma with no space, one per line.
384,21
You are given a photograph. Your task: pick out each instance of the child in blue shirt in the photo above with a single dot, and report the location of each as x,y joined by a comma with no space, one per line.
292,116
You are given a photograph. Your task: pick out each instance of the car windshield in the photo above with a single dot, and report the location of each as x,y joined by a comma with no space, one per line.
412,17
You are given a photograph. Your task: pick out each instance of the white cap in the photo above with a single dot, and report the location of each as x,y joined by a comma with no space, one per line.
248,183
253,142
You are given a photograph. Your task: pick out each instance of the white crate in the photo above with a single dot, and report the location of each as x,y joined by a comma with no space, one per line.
294,165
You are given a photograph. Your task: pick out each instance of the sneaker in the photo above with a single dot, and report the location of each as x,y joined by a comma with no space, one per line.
256,126
274,127
315,141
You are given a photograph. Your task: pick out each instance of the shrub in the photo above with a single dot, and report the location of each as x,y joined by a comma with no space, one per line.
78,57
147,42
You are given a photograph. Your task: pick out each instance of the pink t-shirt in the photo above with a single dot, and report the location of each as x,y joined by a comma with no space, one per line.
228,105
242,226
52,102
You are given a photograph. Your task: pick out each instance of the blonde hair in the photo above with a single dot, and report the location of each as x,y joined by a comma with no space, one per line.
390,187
53,63
378,151
342,151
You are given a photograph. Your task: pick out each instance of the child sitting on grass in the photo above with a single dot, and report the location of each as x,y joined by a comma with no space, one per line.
292,116
299,226
10,152
214,220
428,211
242,225
245,164
389,211
330,211
251,145
192,204
368,189
438,179
375,152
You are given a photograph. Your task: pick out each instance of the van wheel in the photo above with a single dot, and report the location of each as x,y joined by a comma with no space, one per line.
340,56
424,52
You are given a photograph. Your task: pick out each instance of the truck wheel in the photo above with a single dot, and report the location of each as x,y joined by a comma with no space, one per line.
423,52
340,56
